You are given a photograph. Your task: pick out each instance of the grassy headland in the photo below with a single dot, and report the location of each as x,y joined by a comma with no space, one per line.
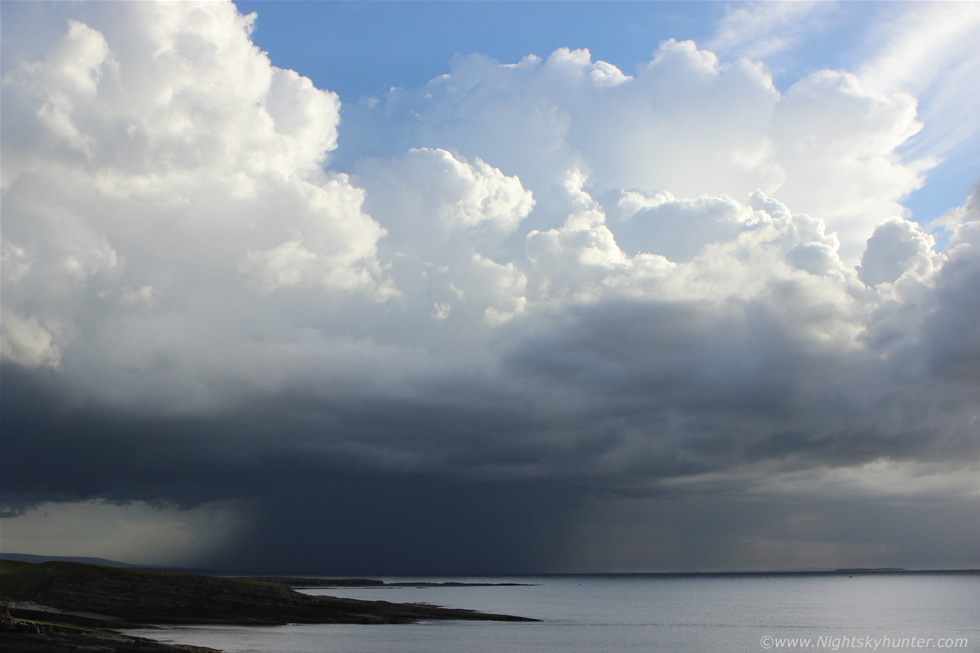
94,597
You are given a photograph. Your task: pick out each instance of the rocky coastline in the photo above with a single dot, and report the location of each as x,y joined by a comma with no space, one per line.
52,604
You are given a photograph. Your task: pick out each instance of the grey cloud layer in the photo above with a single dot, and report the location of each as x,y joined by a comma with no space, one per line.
550,277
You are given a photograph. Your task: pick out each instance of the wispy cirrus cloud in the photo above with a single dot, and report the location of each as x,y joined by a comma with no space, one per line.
757,30
929,50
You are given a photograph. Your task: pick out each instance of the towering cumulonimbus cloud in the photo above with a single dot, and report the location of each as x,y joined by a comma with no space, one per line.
685,123
181,176
549,276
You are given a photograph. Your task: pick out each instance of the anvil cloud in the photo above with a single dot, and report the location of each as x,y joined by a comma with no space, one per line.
531,316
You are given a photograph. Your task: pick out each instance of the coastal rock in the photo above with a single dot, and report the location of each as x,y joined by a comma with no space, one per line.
134,596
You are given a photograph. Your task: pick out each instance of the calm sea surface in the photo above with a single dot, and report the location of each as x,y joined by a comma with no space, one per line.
647,613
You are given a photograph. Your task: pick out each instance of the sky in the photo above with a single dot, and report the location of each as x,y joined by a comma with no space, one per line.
491,287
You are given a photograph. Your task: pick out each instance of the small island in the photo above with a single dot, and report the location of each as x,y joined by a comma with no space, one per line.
56,606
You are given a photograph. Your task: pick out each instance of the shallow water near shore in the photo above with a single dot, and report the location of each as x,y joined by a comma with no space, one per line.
690,614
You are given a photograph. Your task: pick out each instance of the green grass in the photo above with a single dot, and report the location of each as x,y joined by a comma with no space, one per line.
17,579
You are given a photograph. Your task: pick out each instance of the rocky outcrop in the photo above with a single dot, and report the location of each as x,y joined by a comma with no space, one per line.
151,597
20,636
59,606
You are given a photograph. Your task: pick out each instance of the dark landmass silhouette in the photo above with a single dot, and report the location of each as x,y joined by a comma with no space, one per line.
63,605
301,582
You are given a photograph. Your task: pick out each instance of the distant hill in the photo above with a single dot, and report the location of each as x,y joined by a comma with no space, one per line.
36,559
870,570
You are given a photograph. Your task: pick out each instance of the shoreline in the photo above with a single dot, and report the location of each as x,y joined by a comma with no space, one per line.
299,582
56,606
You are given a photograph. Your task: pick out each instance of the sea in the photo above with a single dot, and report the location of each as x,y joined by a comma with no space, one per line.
645,613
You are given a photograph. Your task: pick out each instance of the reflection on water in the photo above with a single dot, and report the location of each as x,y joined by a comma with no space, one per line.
639,613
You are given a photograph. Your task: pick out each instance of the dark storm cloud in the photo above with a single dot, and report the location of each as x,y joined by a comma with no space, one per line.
714,387
311,509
